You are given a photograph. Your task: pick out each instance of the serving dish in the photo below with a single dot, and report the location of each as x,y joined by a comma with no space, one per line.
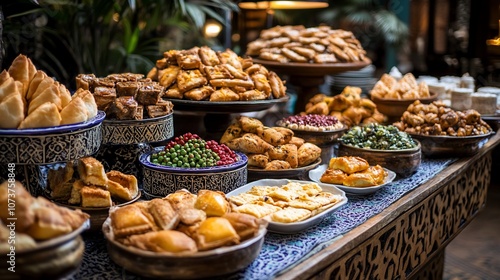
97,214
126,132
312,69
288,228
320,137
227,107
394,108
315,175
162,180
212,263
299,173
404,162
51,144
459,146
57,258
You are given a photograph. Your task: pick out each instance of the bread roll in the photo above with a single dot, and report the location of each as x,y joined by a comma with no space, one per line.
75,112
23,70
45,115
12,111
50,94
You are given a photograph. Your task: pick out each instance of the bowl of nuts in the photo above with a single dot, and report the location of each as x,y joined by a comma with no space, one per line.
382,145
314,128
189,162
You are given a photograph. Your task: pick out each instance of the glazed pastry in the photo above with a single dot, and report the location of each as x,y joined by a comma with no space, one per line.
215,232
208,56
333,176
270,135
60,181
163,241
163,213
149,93
124,108
167,76
199,93
262,84
249,124
348,164
122,185
249,143
224,94
130,219
214,203
246,226
189,79
46,115
360,179
93,196
104,97
277,165
161,108
230,57
84,80
189,59
173,92
191,216
76,196
182,199
91,172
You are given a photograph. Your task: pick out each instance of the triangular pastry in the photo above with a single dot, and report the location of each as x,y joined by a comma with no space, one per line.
64,95
23,70
216,232
45,115
163,214
74,112
4,75
89,101
35,82
7,88
12,111
50,94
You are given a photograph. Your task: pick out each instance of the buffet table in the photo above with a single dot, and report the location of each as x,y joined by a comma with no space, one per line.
400,231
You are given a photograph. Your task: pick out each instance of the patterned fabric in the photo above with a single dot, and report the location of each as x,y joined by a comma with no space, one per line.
281,252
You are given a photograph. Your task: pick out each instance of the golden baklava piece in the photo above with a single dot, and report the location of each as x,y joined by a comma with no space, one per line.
131,219
123,186
93,196
170,241
215,232
163,213
214,203
91,172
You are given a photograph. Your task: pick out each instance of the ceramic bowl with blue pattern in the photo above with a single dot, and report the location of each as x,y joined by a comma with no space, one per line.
160,180
51,144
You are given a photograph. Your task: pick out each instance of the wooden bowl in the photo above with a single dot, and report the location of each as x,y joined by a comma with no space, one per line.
57,258
455,146
394,108
214,263
403,162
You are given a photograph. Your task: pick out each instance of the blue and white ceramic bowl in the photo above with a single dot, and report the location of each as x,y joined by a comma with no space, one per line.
127,132
51,144
162,180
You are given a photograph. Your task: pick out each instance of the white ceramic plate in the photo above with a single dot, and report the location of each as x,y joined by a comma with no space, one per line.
316,173
288,228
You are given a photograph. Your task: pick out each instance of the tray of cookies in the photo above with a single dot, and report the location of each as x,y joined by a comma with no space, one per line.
290,206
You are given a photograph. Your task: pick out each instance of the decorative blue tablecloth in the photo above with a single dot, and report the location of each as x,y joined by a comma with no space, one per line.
280,252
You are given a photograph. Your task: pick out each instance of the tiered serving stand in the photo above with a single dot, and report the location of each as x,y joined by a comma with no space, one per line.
32,151
307,77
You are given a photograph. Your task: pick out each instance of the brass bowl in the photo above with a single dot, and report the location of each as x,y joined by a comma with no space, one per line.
403,162
57,258
456,146
394,108
206,264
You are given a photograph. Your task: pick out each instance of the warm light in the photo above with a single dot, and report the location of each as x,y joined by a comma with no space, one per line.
212,29
277,5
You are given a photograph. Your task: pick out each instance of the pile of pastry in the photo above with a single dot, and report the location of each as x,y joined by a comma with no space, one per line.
126,96
32,219
269,148
201,73
31,99
307,45
438,119
88,185
348,106
182,222
406,88
293,202
353,171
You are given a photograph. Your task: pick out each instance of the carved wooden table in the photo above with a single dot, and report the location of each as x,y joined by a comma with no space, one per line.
407,240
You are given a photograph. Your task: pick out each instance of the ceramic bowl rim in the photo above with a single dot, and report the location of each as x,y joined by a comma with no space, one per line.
97,119
112,122
403,151
144,160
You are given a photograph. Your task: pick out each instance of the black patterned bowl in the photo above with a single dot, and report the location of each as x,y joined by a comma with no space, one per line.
57,258
126,132
51,144
454,146
213,264
162,180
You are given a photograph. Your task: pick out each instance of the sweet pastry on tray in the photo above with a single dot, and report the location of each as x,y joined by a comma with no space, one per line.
31,99
289,203
307,45
406,88
353,171
202,74
202,222
269,148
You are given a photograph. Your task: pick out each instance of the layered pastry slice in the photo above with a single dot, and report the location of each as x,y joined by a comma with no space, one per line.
122,185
